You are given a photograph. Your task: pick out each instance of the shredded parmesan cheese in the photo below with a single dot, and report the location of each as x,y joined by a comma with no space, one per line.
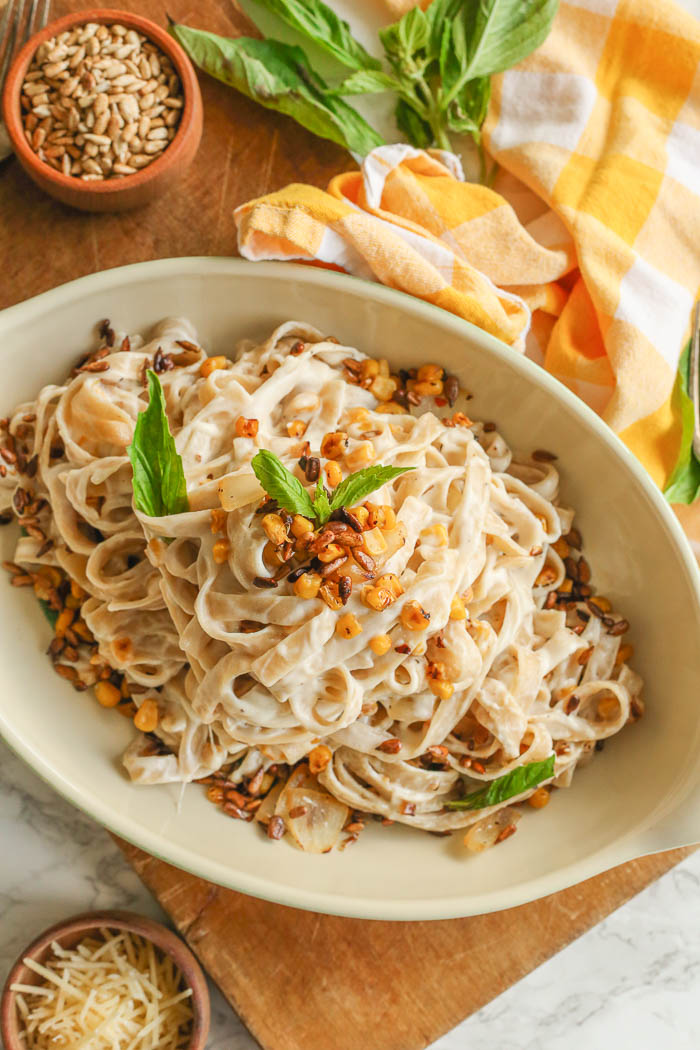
118,993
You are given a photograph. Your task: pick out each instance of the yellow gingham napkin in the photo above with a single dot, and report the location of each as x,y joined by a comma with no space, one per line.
586,253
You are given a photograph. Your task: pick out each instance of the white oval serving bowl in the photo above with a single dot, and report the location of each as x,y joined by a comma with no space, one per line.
640,795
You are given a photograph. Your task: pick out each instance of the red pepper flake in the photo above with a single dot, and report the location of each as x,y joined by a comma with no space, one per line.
390,747
403,648
441,401
506,833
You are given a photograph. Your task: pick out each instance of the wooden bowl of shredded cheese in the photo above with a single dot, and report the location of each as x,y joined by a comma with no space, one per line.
106,979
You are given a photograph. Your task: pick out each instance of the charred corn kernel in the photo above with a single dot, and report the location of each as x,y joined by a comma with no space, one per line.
77,591
461,420
436,532
391,582
361,456
330,553
328,592
334,474
146,718
348,626
297,428
218,520
83,631
358,415
307,586
430,373
563,550
374,542
274,528
428,387
383,388
212,364
272,556
220,551
377,598
608,707
440,688
393,408
361,514
414,617
334,444
457,609
246,428
319,758
389,518
602,603
380,644
546,576
53,577
300,526
369,368
107,694
63,621
538,799
624,653
126,710
566,586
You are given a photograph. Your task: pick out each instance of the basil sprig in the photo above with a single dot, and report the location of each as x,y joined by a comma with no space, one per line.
684,484
281,485
440,63
159,478
508,786
279,77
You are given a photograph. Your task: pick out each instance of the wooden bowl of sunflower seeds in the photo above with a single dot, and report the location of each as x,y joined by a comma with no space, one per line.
103,110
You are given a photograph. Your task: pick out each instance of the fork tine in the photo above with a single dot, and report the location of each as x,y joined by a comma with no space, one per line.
30,21
8,35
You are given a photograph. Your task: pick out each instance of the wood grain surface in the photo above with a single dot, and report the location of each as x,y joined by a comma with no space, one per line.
246,151
298,980
301,981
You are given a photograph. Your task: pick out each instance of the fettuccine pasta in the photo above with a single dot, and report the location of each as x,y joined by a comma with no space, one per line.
491,652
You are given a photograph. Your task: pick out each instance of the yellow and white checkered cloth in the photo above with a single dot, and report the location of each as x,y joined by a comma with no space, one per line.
587,252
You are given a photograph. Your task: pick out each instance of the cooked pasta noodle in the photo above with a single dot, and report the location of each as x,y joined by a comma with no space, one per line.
244,676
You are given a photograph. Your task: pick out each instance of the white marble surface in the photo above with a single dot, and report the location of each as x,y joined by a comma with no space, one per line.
632,983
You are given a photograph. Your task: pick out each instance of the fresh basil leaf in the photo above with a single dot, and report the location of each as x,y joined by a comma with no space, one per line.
279,77
280,484
159,479
440,14
411,124
684,484
508,786
315,20
404,42
322,507
500,33
467,110
358,485
50,614
367,82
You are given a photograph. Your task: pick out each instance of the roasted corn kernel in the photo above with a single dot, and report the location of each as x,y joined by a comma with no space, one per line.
414,617
107,694
297,428
361,456
300,526
457,609
307,586
348,626
274,528
319,758
212,364
220,551
246,428
334,444
380,644
334,474
146,718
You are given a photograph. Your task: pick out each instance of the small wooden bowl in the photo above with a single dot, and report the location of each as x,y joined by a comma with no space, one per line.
71,932
112,194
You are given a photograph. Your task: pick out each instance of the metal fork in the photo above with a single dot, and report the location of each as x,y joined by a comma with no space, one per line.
15,30
694,378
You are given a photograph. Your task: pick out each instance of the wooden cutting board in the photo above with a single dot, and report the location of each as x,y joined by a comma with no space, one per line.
296,979
300,980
